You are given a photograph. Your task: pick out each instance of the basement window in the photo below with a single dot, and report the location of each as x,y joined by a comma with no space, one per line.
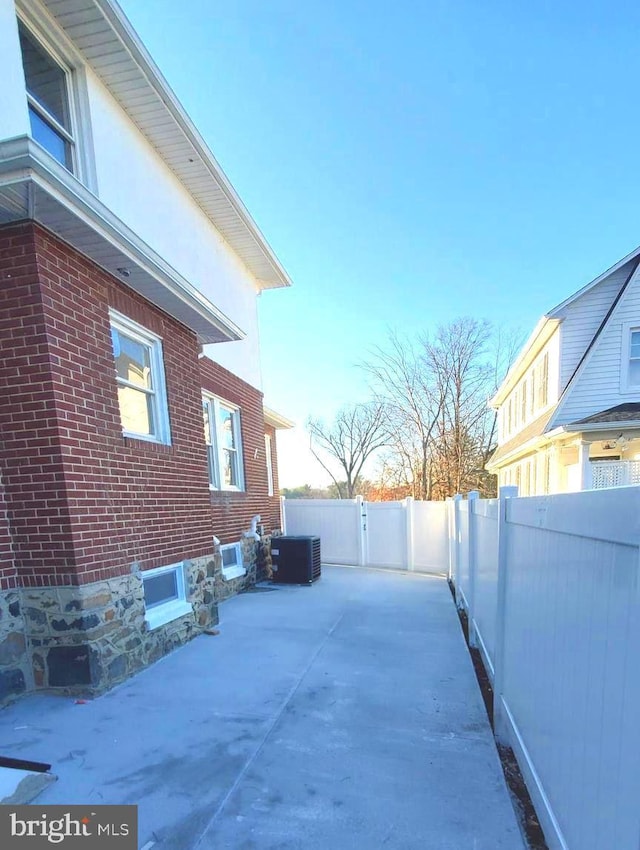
164,595
232,561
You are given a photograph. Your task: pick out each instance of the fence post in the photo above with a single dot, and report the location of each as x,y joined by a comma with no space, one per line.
408,507
449,504
500,725
283,515
362,531
472,498
456,548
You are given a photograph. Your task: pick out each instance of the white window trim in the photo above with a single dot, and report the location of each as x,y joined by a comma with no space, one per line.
625,387
237,569
147,337
215,403
54,42
269,462
164,613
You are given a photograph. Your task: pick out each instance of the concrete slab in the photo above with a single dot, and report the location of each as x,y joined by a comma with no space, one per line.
345,714
19,787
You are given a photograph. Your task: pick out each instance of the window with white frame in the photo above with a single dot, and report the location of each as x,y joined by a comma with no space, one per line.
267,453
49,99
223,436
633,358
232,566
142,393
164,595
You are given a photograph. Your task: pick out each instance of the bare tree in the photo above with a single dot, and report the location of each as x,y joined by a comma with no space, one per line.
357,431
435,391
410,385
461,349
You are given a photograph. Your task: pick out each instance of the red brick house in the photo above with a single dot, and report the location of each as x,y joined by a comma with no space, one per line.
138,469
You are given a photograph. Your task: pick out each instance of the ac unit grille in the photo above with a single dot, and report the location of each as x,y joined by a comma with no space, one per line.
295,559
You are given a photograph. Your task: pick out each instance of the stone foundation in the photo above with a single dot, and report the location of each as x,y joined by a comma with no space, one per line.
85,639
15,667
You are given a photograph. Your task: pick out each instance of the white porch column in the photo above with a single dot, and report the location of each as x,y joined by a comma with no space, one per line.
554,468
586,479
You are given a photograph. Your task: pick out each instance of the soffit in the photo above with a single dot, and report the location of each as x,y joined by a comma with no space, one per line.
101,32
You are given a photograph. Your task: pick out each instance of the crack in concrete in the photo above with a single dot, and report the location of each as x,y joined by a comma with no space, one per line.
267,733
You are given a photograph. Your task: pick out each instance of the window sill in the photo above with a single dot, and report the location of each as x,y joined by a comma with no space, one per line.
162,614
229,573
145,438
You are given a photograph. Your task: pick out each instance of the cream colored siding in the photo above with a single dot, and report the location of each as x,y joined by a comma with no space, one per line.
534,393
598,386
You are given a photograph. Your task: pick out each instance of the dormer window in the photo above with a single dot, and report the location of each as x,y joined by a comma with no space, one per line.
48,98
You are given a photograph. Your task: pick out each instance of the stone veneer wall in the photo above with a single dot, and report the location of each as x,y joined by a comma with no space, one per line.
85,639
15,667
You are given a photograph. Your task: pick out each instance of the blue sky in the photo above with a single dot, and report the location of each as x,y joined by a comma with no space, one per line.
409,163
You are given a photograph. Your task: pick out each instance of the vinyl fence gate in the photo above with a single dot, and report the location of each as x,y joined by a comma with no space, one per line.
405,535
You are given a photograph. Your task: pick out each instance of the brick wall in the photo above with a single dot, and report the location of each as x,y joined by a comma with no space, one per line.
232,511
84,501
274,501
7,565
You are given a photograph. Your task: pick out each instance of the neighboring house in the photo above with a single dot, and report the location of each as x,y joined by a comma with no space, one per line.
569,409
135,451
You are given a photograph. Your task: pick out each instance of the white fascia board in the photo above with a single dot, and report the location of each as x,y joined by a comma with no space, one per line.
530,446
523,449
575,427
593,346
22,160
552,314
539,337
276,420
119,23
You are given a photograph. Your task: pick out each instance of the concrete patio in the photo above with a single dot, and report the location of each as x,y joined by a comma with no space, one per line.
340,715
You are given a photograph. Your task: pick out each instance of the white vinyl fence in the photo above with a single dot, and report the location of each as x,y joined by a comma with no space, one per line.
404,535
550,586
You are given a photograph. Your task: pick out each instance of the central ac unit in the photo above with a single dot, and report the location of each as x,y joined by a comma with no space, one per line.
295,559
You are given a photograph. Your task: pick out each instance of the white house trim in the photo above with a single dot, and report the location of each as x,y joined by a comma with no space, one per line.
63,204
110,46
236,570
593,346
552,314
540,336
276,420
66,54
158,615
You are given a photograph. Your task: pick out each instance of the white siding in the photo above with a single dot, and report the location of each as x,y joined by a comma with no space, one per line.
135,183
598,385
582,319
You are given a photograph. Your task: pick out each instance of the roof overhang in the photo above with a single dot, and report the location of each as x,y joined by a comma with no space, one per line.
276,420
559,309
589,427
540,335
101,32
34,186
